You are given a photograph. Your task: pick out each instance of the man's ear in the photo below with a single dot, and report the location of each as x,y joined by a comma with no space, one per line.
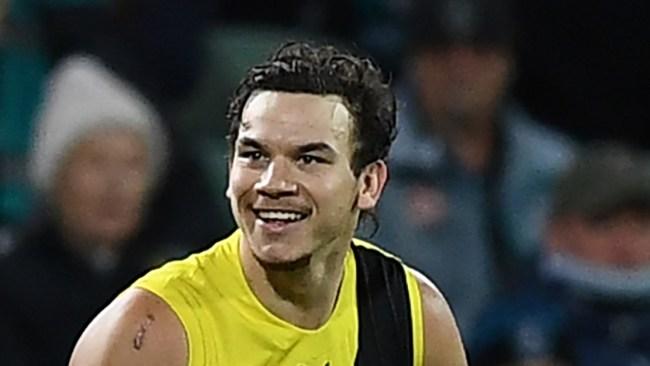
372,180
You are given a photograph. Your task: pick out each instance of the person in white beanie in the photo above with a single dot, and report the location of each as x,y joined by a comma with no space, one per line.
99,150
83,95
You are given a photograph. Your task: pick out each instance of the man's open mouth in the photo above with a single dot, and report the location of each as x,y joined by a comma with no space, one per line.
285,216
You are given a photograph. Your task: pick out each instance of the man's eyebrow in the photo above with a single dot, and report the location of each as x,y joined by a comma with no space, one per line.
316,146
302,149
249,142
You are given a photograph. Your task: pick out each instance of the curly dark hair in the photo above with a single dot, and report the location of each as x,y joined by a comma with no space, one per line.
324,70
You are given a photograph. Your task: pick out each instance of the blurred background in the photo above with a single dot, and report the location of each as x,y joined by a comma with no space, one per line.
521,171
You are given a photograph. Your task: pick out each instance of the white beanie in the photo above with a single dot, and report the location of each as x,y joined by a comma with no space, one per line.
83,96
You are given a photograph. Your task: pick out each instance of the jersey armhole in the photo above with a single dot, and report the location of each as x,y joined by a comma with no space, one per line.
415,299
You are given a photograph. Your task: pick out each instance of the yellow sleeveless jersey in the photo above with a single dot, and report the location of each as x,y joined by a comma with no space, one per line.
377,319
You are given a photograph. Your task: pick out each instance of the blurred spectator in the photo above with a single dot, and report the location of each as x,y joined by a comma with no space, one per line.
471,171
98,154
155,45
589,302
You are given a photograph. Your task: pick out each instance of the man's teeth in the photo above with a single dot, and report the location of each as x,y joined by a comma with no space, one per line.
280,215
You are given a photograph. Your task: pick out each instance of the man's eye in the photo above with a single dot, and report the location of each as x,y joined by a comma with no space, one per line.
310,159
251,155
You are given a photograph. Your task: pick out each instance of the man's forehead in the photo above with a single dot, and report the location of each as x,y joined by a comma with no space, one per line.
297,110
273,98
294,120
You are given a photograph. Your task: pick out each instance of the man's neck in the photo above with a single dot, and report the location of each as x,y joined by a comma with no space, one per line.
305,296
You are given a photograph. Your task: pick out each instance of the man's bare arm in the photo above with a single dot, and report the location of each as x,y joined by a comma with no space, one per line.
138,328
442,342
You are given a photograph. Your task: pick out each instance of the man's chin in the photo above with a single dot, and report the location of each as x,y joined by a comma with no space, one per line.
283,265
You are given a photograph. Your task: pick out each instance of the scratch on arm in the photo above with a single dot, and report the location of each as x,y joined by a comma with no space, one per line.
138,340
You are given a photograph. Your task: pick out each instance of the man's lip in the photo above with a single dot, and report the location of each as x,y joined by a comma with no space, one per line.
277,227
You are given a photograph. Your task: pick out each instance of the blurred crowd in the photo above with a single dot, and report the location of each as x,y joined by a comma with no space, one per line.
520,178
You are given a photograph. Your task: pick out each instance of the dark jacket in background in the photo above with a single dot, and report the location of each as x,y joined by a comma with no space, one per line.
48,294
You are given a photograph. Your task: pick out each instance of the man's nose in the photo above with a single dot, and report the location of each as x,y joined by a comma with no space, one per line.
277,181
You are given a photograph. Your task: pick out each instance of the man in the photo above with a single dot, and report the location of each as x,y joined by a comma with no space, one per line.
471,170
588,303
310,131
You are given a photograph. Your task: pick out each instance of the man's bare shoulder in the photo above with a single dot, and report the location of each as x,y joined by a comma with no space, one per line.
442,341
138,328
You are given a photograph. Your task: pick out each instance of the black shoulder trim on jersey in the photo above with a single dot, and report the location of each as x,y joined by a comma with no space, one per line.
385,328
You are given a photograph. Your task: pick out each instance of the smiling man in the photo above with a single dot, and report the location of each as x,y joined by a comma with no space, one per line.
310,131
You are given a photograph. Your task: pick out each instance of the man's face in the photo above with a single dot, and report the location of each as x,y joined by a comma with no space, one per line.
460,83
621,241
101,188
292,190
